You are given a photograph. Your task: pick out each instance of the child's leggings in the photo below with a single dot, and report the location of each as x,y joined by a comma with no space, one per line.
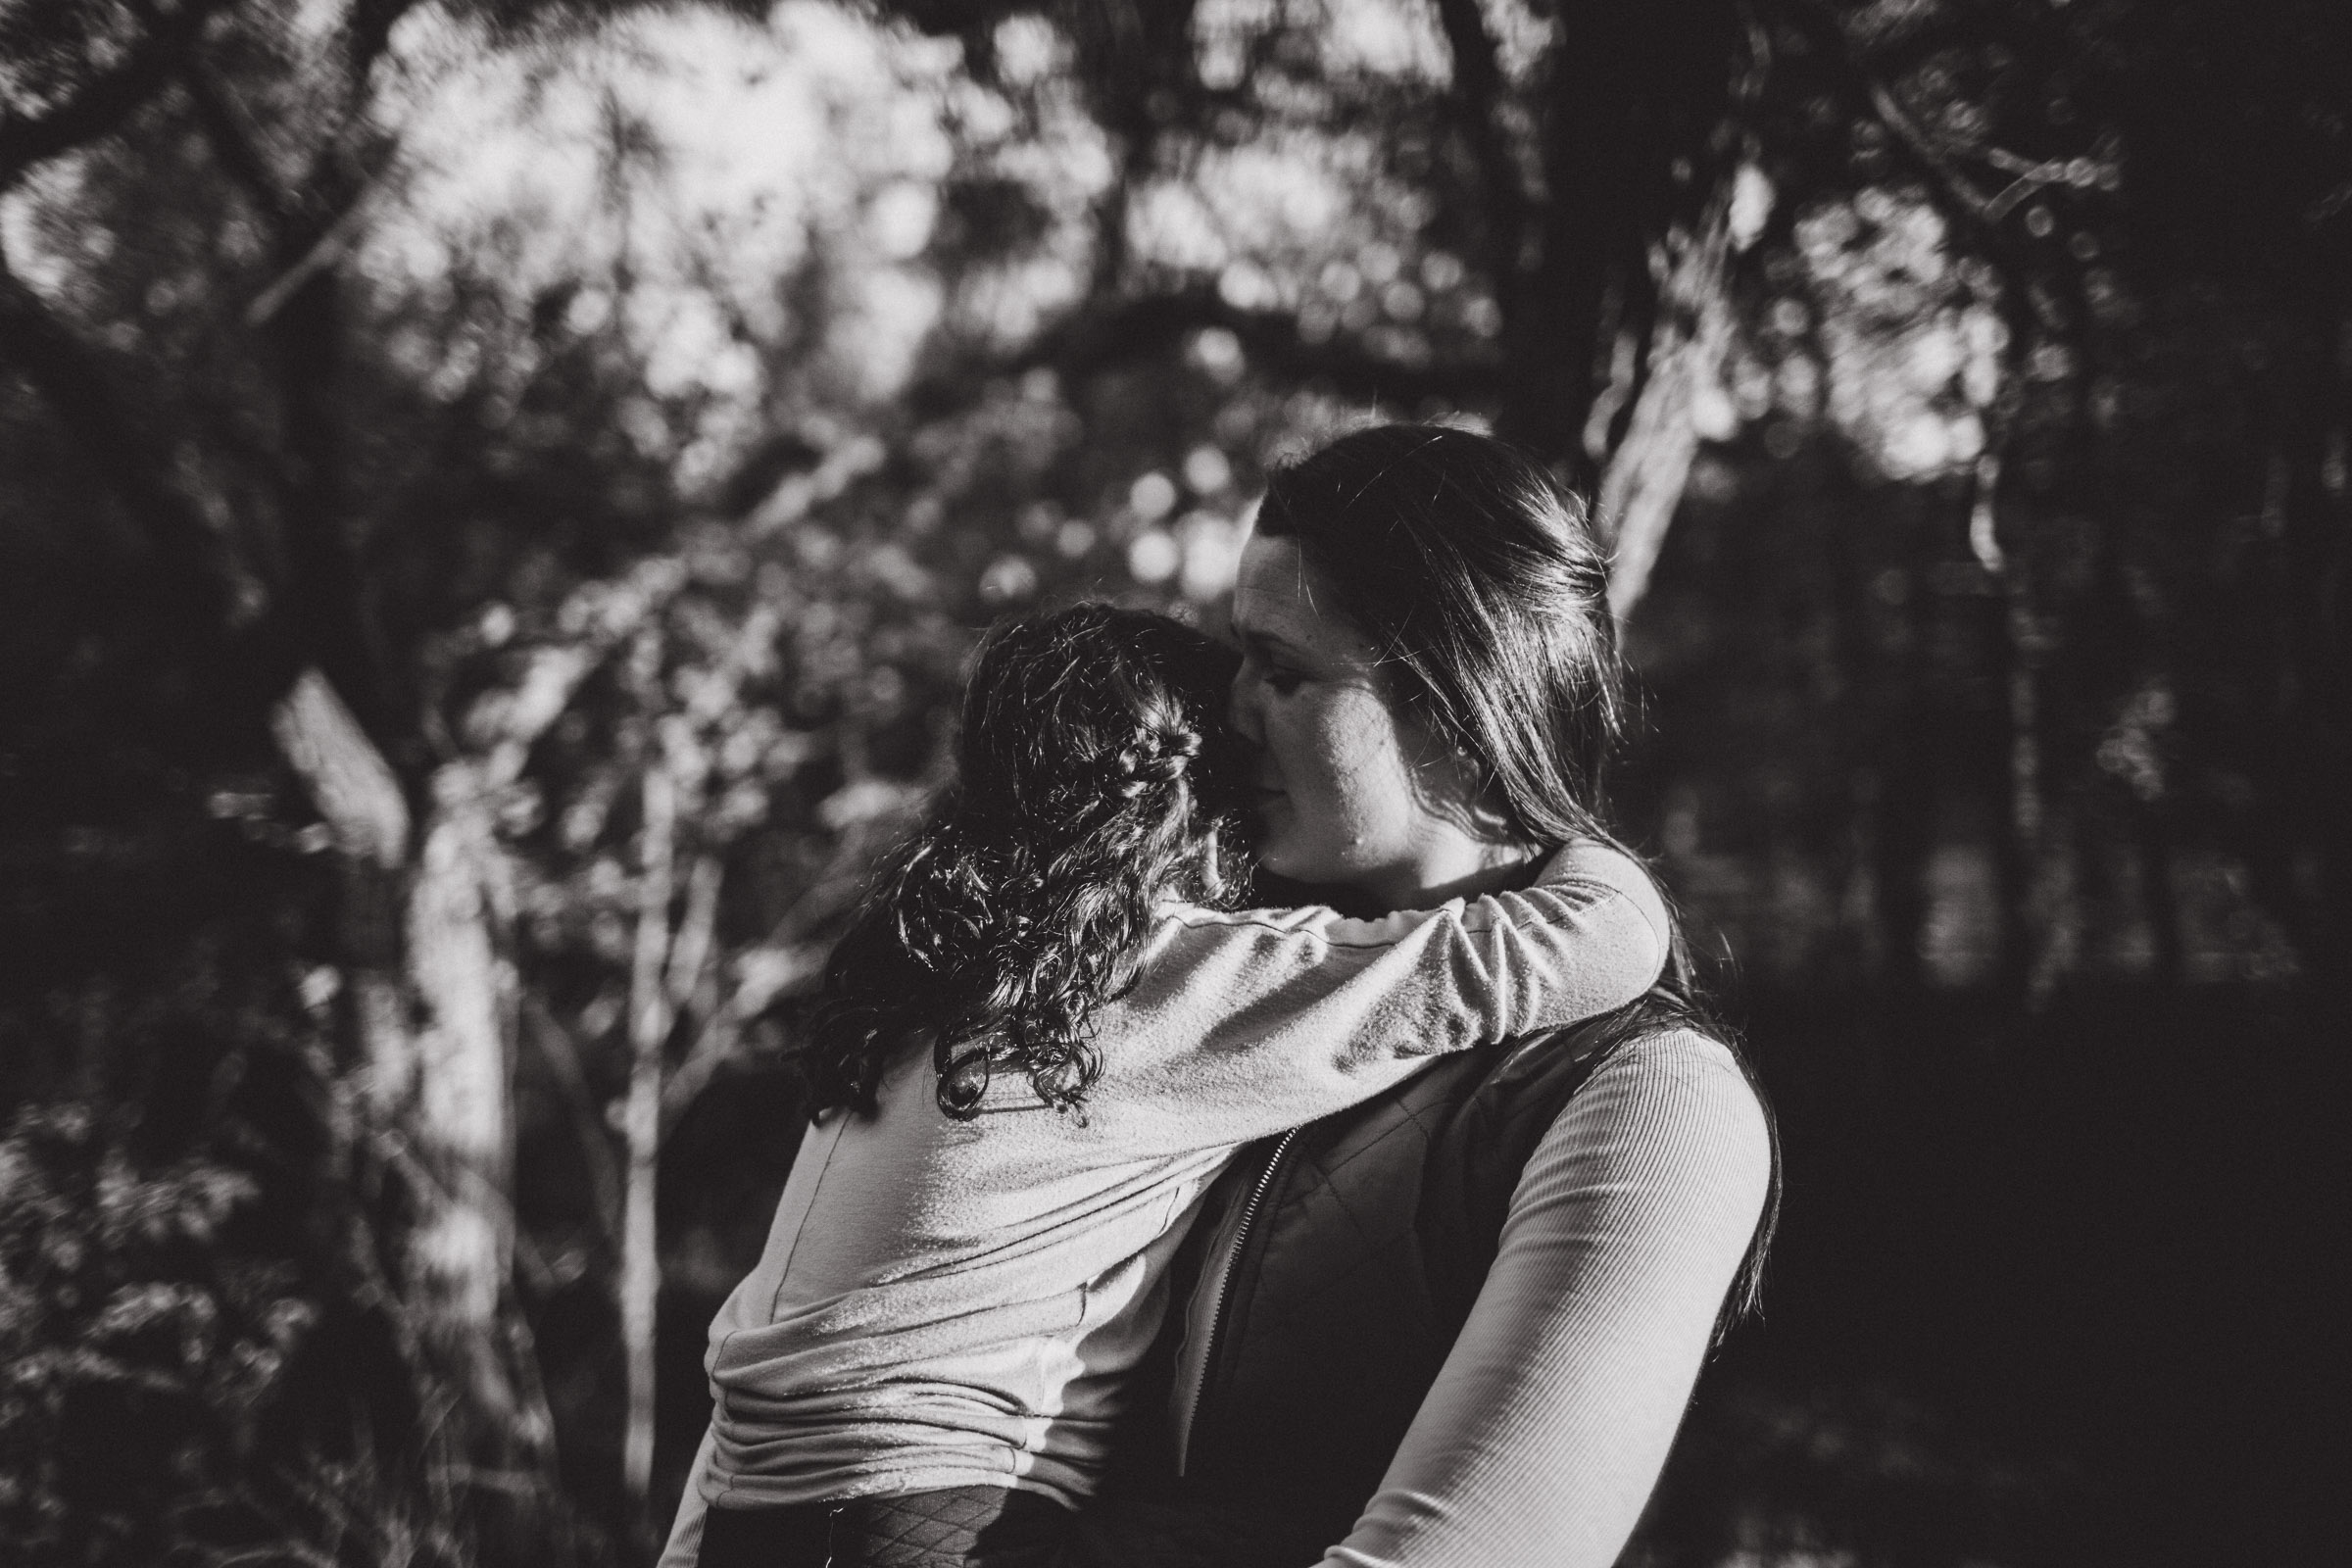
947,1529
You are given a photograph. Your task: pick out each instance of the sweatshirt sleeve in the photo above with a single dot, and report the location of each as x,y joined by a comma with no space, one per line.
1551,1421
685,1543
1249,1022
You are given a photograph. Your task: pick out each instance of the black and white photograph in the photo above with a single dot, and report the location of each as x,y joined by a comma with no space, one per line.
1175,783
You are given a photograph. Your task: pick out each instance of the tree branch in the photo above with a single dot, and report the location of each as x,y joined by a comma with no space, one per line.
691,949
231,142
1985,214
315,260
1475,89
355,790
108,100
1930,154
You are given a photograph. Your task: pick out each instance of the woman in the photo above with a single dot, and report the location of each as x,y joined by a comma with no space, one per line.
1455,1327
1044,1036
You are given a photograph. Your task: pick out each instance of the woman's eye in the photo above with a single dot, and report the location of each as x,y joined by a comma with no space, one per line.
1278,678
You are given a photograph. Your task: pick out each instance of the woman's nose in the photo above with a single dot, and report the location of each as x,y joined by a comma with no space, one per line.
1240,707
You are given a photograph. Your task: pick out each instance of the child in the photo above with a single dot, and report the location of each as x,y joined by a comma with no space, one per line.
1045,1035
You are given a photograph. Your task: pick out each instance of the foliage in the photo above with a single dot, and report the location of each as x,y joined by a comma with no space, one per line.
204,1364
593,392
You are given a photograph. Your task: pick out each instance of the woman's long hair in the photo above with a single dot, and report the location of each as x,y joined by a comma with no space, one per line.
1484,594
1090,786
1477,581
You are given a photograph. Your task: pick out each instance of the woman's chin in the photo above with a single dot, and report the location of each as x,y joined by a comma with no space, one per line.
1288,873
1274,844
1275,858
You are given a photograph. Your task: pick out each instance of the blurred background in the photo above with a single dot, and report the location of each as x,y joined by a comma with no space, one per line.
494,495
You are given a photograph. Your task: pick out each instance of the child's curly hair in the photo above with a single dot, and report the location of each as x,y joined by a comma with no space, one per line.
1091,783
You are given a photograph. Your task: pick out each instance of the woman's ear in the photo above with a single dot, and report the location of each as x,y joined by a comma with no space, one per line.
1451,784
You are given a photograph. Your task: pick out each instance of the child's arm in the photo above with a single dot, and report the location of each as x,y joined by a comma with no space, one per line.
1249,1022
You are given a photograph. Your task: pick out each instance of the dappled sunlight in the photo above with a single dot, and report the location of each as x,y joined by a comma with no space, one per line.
678,172
1902,345
1381,37
494,514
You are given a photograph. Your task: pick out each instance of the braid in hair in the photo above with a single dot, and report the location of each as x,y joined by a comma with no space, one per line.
1090,787
1153,757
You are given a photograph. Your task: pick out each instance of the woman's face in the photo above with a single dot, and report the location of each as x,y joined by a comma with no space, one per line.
1348,789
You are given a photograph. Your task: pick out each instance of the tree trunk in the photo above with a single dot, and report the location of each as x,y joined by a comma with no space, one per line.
2154,835
1903,792
1643,481
649,1031
463,1251
445,1083
441,1076
356,791
2017,841
2298,839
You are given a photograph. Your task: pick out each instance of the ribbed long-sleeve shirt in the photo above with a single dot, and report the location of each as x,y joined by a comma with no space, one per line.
945,1303
1549,1423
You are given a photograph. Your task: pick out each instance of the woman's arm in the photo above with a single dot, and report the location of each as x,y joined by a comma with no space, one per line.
1247,1023
1548,1426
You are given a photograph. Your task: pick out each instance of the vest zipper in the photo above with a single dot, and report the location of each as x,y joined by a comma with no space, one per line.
1223,1299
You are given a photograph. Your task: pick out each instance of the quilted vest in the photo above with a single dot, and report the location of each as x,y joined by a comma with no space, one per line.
1372,1234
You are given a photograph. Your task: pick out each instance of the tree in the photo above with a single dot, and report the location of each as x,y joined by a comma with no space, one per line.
511,536
225,153
1537,228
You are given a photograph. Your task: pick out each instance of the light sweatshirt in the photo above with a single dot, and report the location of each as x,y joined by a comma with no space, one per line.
945,1303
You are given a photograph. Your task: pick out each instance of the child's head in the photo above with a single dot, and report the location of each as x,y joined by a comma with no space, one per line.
1090,784
1094,730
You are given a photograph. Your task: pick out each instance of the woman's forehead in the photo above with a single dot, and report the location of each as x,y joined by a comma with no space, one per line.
1280,595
